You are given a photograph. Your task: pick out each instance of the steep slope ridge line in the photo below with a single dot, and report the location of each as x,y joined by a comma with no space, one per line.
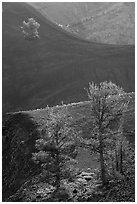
107,22
34,72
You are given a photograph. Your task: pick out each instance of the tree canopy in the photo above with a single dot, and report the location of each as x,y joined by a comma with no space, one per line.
56,148
30,29
107,110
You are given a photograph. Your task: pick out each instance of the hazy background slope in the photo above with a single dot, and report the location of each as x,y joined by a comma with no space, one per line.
109,22
58,66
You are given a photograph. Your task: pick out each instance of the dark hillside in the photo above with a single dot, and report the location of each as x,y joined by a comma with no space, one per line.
19,135
21,129
58,66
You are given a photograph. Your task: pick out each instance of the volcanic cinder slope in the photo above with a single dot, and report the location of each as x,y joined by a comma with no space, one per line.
109,22
58,66
21,129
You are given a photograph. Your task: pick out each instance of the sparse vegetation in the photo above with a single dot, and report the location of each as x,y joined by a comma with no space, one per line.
81,151
30,29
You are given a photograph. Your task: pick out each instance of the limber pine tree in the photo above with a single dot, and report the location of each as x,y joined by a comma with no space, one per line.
56,149
106,107
30,29
122,154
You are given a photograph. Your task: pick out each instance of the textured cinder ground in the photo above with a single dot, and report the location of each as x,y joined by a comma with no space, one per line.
58,66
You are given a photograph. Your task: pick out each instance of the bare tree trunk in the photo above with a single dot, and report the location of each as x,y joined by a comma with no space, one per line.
121,159
116,157
120,145
57,182
102,163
